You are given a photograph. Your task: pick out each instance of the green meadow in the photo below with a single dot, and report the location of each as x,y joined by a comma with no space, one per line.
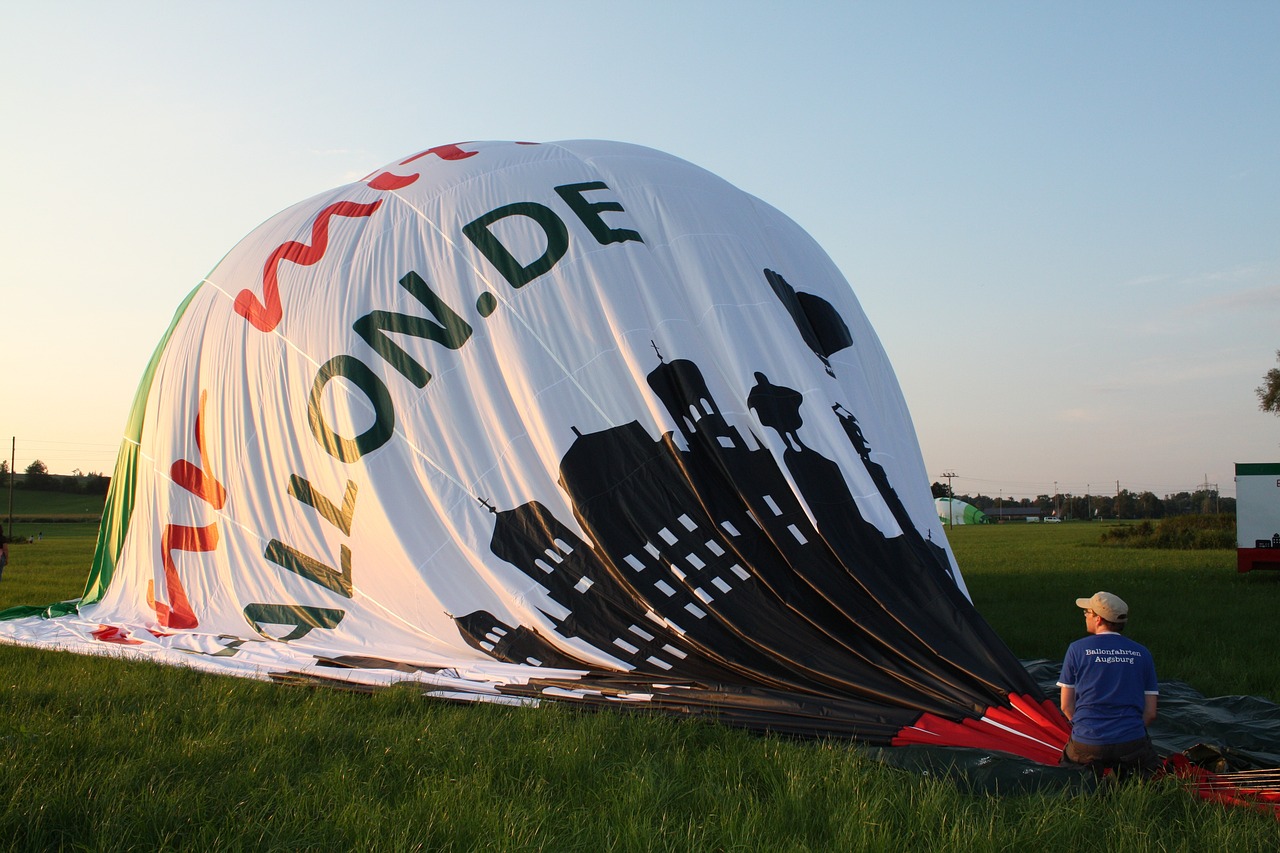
100,754
1206,623
34,511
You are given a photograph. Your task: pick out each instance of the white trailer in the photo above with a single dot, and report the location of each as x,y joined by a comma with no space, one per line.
1257,515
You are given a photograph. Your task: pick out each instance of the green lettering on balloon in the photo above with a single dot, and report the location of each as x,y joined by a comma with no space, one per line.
448,329
301,618
510,267
589,213
340,517
384,423
309,567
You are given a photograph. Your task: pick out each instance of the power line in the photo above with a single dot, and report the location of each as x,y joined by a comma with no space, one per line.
64,457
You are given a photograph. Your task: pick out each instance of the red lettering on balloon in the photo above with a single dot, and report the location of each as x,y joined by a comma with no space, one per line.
197,480
177,613
265,316
444,152
390,181
112,634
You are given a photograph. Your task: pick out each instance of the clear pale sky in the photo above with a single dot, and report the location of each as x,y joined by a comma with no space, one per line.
1063,220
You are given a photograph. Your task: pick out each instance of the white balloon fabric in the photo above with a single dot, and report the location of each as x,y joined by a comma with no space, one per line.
573,420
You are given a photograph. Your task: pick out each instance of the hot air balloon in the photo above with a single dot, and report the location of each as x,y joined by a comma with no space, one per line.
955,511
574,421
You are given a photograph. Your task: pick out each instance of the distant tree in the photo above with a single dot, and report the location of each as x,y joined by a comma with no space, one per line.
939,490
1076,506
1178,504
1205,502
66,483
1149,506
1269,391
4,467
1124,505
95,483
37,475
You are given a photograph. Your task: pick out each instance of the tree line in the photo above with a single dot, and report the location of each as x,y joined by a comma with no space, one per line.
37,478
1129,504
1126,504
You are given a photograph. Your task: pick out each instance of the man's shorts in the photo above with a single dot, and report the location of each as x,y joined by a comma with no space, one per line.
1135,756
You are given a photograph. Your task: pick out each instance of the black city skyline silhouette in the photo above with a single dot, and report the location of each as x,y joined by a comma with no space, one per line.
705,576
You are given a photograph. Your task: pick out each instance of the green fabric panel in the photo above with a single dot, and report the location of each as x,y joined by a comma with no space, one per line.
18,611
115,520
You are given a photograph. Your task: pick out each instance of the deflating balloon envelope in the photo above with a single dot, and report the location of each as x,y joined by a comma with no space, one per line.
573,420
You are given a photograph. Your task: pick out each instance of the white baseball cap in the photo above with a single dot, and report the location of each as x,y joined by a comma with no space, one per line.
1108,606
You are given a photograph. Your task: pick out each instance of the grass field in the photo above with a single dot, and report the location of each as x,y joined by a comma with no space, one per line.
33,511
1206,623
109,755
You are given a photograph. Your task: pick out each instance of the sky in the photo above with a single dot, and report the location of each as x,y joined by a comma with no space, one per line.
1063,220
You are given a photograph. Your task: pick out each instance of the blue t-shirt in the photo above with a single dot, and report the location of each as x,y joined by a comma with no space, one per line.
1112,676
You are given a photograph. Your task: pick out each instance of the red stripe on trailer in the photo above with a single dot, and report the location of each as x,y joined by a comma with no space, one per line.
1248,559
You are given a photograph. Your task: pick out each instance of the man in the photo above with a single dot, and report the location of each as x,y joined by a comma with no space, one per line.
1109,692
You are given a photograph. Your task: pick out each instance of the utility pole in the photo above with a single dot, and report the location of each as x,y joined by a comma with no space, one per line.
951,500
13,457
